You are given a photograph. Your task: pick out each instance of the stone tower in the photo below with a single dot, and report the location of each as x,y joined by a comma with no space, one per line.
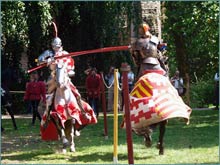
151,13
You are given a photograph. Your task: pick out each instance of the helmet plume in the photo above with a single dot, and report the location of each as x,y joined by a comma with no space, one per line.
55,28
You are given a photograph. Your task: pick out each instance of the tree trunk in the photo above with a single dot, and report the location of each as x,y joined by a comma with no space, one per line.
181,58
34,31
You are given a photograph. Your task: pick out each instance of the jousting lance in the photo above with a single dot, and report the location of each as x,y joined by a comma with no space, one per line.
79,53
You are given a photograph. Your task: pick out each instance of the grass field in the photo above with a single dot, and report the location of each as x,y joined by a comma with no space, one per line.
196,143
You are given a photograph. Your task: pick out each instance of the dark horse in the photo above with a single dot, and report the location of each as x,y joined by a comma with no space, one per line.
6,101
153,99
68,112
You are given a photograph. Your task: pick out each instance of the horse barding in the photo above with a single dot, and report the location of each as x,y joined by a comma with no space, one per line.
153,99
65,112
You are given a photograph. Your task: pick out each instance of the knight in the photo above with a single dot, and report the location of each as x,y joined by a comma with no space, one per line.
50,58
57,50
153,95
146,51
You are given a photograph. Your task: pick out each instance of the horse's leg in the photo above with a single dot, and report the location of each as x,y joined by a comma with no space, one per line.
162,129
61,131
9,109
69,132
147,140
76,132
64,140
147,137
72,144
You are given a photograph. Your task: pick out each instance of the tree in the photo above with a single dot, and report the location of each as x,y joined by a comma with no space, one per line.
192,30
38,21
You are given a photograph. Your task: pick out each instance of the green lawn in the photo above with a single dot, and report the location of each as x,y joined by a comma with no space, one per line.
196,143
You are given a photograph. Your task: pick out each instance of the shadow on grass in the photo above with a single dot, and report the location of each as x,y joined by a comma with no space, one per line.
104,157
28,156
85,158
203,132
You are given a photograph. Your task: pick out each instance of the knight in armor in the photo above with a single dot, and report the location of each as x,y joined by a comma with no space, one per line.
48,57
148,55
145,51
57,50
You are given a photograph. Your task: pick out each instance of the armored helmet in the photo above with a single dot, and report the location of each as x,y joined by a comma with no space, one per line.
56,42
144,30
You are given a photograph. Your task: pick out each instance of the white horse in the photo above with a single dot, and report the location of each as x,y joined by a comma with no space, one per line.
69,113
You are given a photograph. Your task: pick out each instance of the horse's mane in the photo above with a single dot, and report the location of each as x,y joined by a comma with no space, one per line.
51,83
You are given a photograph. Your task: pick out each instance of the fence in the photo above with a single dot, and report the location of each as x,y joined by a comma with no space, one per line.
20,106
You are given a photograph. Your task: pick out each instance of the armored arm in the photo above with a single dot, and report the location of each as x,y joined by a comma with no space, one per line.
45,57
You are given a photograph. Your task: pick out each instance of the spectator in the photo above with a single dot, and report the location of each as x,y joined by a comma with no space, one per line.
216,100
35,92
87,71
27,102
130,84
130,79
93,86
110,79
177,82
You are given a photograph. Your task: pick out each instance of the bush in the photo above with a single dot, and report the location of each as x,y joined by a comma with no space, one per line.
202,93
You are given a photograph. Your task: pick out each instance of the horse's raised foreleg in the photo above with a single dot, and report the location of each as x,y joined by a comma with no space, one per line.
160,144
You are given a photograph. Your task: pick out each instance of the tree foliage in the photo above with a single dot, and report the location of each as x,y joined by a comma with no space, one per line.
84,25
14,32
193,27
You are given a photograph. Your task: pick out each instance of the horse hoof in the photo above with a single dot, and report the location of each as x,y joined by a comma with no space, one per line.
77,133
148,141
148,144
72,149
64,151
161,152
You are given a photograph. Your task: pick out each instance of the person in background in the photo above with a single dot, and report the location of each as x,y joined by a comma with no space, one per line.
110,80
130,80
27,102
177,82
130,85
35,92
93,87
216,100
87,71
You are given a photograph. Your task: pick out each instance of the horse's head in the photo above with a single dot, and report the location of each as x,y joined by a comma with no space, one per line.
62,77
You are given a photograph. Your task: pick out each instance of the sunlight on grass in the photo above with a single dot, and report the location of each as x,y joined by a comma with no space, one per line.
196,143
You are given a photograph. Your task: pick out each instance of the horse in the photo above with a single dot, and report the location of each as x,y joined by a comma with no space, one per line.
6,101
153,99
69,113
